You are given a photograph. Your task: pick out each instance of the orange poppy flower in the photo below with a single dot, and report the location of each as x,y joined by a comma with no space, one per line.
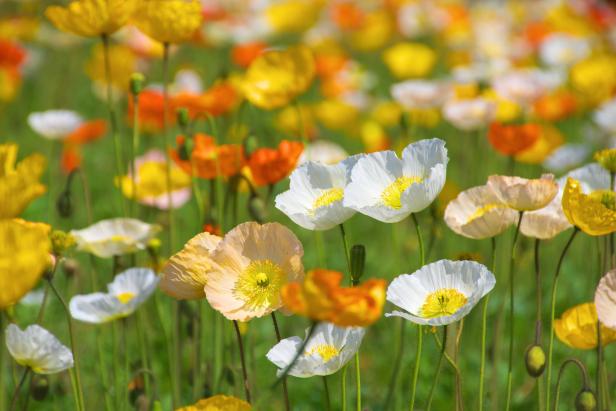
244,54
329,64
321,298
270,165
536,31
220,99
553,107
151,106
513,139
11,54
208,157
347,16
71,158
88,132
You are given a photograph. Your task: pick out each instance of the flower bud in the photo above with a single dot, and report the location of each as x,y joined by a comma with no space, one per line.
535,360
585,400
61,242
183,117
607,159
358,262
257,209
64,204
136,83
251,143
39,387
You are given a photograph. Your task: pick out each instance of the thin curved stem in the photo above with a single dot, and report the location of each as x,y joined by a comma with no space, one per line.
328,406
358,380
346,247
243,360
438,369
538,291
343,388
552,310
585,379
484,330
22,381
511,310
419,326
285,391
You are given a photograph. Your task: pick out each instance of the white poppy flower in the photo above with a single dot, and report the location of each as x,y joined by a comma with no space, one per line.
314,200
54,124
38,349
116,236
187,81
478,213
566,157
330,347
605,299
561,49
125,294
605,116
469,114
440,293
388,188
413,94
520,86
323,151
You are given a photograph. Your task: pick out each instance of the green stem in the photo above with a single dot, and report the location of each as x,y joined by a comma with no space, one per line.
394,381
135,148
358,380
552,310
196,366
174,381
218,347
343,388
112,119
328,406
143,352
346,247
73,344
484,331
103,371
243,360
176,336
285,391
419,326
585,380
511,310
167,143
22,381
422,257
438,369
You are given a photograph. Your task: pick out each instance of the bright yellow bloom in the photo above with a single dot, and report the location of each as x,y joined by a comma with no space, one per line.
595,77
90,18
24,257
594,213
169,21
607,159
336,114
293,16
277,77
20,185
122,62
577,328
375,32
218,403
409,60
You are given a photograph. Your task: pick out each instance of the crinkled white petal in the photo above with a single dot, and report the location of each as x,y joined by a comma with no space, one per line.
38,349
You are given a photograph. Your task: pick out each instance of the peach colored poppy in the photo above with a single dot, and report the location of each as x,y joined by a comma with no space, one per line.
524,194
270,165
321,298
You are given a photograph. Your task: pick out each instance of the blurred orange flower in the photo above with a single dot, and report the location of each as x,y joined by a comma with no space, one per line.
321,298
270,165
219,99
207,157
87,132
71,158
244,54
150,110
557,106
347,15
513,139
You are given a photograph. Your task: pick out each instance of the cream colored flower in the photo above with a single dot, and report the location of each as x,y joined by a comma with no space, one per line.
479,213
524,194
440,293
125,294
327,351
253,263
605,299
185,274
38,349
412,94
323,151
115,236
54,124
469,114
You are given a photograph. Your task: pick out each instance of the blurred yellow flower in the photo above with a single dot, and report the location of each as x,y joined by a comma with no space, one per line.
122,62
424,117
24,257
373,136
91,18
293,16
549,140
409,60
218,403
387,113
577,328
593,213
607,159
506,110
375,32
19,185
277,77
169,21
336,114
595,77
289,121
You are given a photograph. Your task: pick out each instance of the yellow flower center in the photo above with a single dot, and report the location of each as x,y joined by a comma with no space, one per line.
391,195
481,211
605,197
126,297
443,302
326,351
260,283
333,195
118,238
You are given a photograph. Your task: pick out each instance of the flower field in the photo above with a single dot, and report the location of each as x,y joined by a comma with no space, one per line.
307,205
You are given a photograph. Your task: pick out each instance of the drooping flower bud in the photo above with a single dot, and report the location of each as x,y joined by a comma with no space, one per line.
137,81
586,400
535,360
358,262
64,204
257,209
39,387
183,117
250,143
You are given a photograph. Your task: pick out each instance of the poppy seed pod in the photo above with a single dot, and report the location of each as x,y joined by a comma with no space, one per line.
257,209
183,117
250,143
137,81
64,204
358,262
535,360
585,400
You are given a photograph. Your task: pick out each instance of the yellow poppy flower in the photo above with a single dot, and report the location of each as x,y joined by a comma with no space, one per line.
169,21
24,257
293,16
409,60
577,328
277,77
122,62
218,403
593,213
595,77
90,18
19,185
